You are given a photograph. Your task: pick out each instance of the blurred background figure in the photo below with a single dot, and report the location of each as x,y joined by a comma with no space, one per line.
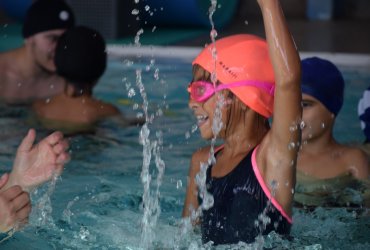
364,114
28,72
325,168
81,59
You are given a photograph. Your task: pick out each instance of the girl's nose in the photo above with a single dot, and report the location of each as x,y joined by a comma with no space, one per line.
193,104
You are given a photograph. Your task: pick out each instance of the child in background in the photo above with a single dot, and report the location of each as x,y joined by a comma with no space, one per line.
254,171
81,59
326,169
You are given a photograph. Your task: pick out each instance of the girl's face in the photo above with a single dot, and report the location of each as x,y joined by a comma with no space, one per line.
204,113
317,119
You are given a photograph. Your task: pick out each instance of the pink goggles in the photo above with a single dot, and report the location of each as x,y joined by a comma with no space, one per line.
201,91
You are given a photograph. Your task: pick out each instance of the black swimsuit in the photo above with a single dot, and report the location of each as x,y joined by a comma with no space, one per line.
240,207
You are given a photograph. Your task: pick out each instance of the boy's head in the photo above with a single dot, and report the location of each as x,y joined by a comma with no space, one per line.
242,57
322,80
80,56
46,15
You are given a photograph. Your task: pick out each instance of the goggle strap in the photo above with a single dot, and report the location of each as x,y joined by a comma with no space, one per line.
267,86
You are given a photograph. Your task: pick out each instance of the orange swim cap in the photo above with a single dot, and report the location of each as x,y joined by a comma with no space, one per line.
242,57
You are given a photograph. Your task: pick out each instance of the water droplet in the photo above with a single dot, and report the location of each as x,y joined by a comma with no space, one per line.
213,33
159,112
246,22
302,125
135,106
47,100
178,184
187,135
131,92
291,145
194,128
323,125
147,7
154,28
292,190
293,128
135,12
274,184
156,74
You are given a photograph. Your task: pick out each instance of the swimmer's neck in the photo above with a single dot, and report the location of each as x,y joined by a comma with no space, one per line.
243,140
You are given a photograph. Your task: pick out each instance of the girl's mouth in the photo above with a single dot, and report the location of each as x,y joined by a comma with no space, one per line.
201,119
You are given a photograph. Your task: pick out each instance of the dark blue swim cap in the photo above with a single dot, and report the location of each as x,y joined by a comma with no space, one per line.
322,80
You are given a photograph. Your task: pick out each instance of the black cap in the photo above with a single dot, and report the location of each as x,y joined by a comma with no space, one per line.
44,15
80,55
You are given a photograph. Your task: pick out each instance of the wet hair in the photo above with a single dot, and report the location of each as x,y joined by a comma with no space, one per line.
237,110
80,57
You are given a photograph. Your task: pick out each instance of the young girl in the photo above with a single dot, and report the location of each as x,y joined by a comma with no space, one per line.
253,178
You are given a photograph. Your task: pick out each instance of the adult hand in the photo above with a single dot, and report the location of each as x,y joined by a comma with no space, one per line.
15,206
36,164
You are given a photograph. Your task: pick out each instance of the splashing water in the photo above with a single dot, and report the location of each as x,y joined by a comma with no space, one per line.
150,203
42,210
200,178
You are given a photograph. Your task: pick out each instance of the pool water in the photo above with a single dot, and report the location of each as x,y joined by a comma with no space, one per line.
98,204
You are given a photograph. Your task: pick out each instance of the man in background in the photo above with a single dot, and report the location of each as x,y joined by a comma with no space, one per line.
28,72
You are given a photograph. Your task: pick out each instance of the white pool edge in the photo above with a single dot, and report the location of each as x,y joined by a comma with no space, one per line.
340,59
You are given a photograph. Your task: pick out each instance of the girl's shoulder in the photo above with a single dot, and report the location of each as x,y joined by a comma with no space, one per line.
201,154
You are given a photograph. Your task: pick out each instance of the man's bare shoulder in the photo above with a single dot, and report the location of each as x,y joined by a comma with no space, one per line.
9,65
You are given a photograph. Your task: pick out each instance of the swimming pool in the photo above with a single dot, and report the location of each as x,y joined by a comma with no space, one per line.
97,203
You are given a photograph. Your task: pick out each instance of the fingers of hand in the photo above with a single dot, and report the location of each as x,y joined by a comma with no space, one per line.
12,192
54,138
27,141
23,213
21,201
61,147
4,179
63,158
16,209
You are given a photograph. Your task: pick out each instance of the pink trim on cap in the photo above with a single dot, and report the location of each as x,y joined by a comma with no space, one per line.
266,189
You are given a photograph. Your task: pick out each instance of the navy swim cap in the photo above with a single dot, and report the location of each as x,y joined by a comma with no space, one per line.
322,80
45,15
80,55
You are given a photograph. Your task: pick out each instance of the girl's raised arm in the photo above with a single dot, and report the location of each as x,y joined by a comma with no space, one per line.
278,152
